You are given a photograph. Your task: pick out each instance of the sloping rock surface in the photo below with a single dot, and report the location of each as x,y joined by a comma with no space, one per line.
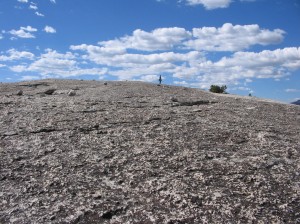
131,152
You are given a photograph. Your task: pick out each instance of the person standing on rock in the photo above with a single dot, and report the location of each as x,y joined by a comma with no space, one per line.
160,79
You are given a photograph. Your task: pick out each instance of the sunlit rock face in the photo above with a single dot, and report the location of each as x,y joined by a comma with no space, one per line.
132,152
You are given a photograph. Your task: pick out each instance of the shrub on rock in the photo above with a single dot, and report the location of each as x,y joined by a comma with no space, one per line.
218,89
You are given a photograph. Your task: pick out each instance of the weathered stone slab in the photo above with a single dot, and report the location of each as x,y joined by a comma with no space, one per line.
132,152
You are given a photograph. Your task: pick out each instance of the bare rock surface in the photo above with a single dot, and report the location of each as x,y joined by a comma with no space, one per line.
132,152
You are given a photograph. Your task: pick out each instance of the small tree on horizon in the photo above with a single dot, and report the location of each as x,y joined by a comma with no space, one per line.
218,89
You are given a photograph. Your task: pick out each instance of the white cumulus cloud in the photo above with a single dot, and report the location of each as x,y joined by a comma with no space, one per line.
23,32
33,6
149,78
177,52
158,39
54,64
210,4
232,37
23,1
285,58
226,38
133,60
181,53
49,29
39,14
13,55
243,66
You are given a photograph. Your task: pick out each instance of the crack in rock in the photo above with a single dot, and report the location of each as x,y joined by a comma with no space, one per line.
45,130
192,103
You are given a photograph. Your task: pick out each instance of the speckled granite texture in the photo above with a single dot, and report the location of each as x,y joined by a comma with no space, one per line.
132,152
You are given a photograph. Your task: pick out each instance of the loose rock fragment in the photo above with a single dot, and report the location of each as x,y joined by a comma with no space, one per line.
50,91
173,99
20,93
72,93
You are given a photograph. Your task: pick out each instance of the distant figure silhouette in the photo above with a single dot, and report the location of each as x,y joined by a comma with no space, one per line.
160,79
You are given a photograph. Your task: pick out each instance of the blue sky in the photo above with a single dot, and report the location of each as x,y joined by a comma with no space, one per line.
252,46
